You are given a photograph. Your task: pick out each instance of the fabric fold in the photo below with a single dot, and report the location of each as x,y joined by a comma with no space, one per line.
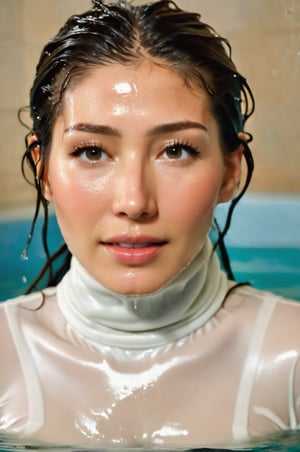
172,312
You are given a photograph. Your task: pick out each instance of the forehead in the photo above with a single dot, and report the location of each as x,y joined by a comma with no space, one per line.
142,86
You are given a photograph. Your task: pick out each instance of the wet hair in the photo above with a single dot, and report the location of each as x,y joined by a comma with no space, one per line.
127,34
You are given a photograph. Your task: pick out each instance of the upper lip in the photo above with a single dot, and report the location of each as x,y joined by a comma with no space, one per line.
134,240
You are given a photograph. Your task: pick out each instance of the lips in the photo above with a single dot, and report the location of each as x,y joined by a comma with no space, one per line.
133,250
133,245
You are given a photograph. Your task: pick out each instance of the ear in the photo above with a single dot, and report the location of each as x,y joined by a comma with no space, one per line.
232,174
46,187
41,172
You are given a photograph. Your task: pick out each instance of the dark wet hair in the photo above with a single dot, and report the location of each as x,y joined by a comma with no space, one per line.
111,33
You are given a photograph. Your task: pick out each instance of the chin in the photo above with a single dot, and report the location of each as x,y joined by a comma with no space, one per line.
136,291
135,287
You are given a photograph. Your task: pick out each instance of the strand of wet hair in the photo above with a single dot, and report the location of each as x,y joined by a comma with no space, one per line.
61,250
220,243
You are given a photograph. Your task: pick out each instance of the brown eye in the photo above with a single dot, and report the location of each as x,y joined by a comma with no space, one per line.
93,153
174,152
90,153
180,151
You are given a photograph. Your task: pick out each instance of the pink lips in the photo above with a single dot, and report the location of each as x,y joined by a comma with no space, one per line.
133,250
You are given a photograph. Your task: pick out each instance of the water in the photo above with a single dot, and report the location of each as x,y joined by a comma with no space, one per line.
274,269
17,270
269,268
283,442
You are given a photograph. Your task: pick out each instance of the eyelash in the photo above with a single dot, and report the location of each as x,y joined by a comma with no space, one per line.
185,146
85,147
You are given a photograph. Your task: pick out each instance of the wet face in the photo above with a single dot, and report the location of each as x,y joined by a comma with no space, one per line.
135,172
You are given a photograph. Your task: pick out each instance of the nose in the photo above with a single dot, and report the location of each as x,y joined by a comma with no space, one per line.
134,192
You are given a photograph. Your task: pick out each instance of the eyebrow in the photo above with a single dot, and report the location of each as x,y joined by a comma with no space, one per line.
156,130
94,128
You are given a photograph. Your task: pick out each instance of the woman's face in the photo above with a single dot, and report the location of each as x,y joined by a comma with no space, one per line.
135,172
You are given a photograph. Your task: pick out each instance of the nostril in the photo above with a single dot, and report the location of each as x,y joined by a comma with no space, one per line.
139,208
134,191
134,215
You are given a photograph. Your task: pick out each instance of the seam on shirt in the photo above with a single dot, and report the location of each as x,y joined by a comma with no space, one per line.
33,388
241,413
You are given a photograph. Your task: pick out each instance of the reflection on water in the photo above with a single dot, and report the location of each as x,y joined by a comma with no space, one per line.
283,442
273,269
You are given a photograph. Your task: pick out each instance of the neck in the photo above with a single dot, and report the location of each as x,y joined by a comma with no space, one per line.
172,312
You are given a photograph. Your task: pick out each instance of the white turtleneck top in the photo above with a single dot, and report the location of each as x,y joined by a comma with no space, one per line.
148,321
184,367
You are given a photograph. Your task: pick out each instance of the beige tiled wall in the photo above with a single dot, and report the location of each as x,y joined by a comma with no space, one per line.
265,37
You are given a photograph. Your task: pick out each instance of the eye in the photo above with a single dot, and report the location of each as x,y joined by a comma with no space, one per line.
90,152
180,151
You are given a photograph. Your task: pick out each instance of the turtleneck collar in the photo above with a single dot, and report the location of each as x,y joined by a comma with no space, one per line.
138,322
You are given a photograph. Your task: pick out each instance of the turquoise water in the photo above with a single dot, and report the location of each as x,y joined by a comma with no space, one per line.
16,273
274,269
270,268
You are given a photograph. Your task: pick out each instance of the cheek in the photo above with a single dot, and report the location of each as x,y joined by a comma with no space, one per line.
76,195
193,203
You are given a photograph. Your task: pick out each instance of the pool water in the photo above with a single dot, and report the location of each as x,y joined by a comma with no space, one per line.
271,268
286,442
16,273
274,269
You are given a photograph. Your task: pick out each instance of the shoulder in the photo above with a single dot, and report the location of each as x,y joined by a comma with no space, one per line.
245,296
15,357
270,326
30,301
13,311
15,316
277,316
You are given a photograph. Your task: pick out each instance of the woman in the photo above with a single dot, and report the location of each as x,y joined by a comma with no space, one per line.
138,133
